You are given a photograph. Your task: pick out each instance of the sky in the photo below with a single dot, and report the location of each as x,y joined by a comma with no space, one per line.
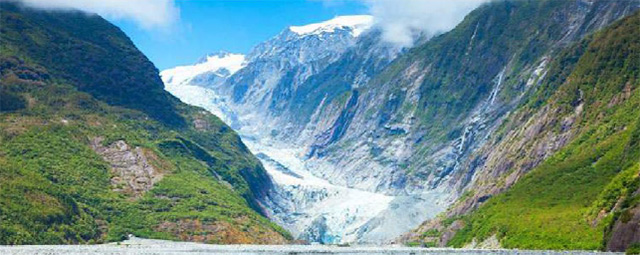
180,32
230,25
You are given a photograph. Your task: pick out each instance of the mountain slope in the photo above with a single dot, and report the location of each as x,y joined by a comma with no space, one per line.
277,71
190,82
417,121
92,148
410,127
217,66
575,198
412,131
277,67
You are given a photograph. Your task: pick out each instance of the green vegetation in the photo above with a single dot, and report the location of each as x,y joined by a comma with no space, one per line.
421,244
414,244
465,62
556,205
457,70
633,249
77,48
69,78
431,233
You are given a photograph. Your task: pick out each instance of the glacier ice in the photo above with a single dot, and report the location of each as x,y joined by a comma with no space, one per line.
305,200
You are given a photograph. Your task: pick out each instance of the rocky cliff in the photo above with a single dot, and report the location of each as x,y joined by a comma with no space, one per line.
566,159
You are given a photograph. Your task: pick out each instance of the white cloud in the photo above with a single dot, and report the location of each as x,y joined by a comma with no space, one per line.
402,20
149,14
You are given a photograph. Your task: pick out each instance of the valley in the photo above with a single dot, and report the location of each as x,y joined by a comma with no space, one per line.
365,140
491,127
313,207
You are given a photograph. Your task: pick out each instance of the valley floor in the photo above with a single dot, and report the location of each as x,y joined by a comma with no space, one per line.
146,246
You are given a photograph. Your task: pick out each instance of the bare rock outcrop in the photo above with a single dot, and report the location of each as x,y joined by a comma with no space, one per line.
133,173
626,229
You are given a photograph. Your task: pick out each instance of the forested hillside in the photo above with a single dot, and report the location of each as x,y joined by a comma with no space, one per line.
92,148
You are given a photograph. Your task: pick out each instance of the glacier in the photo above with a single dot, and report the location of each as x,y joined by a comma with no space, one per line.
305,200
365,141
313,208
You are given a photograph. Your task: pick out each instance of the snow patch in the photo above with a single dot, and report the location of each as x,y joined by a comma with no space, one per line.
221,64
357,24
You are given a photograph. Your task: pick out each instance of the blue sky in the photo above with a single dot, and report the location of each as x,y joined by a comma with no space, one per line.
179,32
231,25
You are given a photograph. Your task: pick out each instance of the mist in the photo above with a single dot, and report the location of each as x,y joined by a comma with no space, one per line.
401,21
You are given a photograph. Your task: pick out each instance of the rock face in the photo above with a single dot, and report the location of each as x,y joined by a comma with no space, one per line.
490,243
531,135
132,171
626,231
574,102
408,130
259,98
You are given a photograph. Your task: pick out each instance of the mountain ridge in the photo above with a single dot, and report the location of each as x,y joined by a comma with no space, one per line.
357,24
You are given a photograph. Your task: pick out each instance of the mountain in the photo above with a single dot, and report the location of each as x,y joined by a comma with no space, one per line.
568,158
216,66
355,25
389,137
257,101
92,148
212,70
277,67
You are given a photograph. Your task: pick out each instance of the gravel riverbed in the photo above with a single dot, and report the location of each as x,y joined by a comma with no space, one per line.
138,246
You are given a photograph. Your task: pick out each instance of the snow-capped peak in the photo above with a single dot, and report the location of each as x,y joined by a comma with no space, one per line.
357,23
219,54
222,64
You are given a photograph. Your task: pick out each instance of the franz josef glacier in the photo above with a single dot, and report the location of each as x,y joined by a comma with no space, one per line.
362,153
312,199
308,200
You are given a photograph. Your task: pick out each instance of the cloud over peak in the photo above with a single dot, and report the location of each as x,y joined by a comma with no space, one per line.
402,20
149,14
